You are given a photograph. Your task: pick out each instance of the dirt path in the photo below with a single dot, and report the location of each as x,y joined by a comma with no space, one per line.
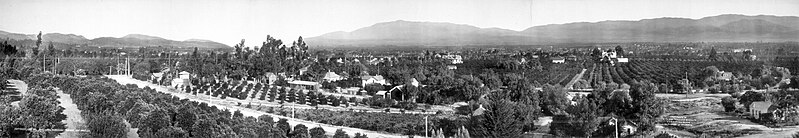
329,129
574,80
74,120
21,86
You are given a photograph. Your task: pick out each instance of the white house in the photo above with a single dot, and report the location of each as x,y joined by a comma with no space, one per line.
332,76
307,85
622,60
366,80
182,80
558,60
757,108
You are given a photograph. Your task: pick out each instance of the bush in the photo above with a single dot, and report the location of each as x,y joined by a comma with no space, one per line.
381,102
106,126
371,89
406,105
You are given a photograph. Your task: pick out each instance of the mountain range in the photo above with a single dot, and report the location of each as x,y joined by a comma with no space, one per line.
128,41
727,28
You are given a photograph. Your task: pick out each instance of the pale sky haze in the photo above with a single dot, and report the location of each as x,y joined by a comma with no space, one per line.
229,21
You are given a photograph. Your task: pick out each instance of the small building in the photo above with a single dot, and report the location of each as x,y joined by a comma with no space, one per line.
156,76
726,76
366,80
558,60
352,90
182,80
384,94
622,60
571,58
184,75
332,76
306,85
759,108
304,69
270,78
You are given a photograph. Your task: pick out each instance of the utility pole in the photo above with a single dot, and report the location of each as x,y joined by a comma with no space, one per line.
425,126
615,126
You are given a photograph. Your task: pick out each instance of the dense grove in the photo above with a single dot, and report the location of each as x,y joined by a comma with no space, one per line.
106,105
37,111
699,72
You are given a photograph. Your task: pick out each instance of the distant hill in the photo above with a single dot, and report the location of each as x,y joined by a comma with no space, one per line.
128,41
734,28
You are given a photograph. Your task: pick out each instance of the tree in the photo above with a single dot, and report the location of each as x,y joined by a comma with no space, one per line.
172,132
553,99
318,132
343,100
301,97
619,51
500,119
333,100
359,135
579,120
340,134
106,125
729,103
300,131
749,97
312,99
209,128
185,118
238,114
322,99
371,89
156,120
284,126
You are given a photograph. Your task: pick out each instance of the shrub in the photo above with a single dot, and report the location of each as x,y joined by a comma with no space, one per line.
406,105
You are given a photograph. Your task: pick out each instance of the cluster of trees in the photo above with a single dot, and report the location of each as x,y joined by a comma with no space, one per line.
240,90
106,105
246,63
38,110
701,74
636,104
410,124
511,111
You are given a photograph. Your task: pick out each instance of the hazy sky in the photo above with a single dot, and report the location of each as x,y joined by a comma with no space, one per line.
229,21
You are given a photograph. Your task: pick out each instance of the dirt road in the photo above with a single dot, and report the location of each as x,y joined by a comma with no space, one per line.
74,120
